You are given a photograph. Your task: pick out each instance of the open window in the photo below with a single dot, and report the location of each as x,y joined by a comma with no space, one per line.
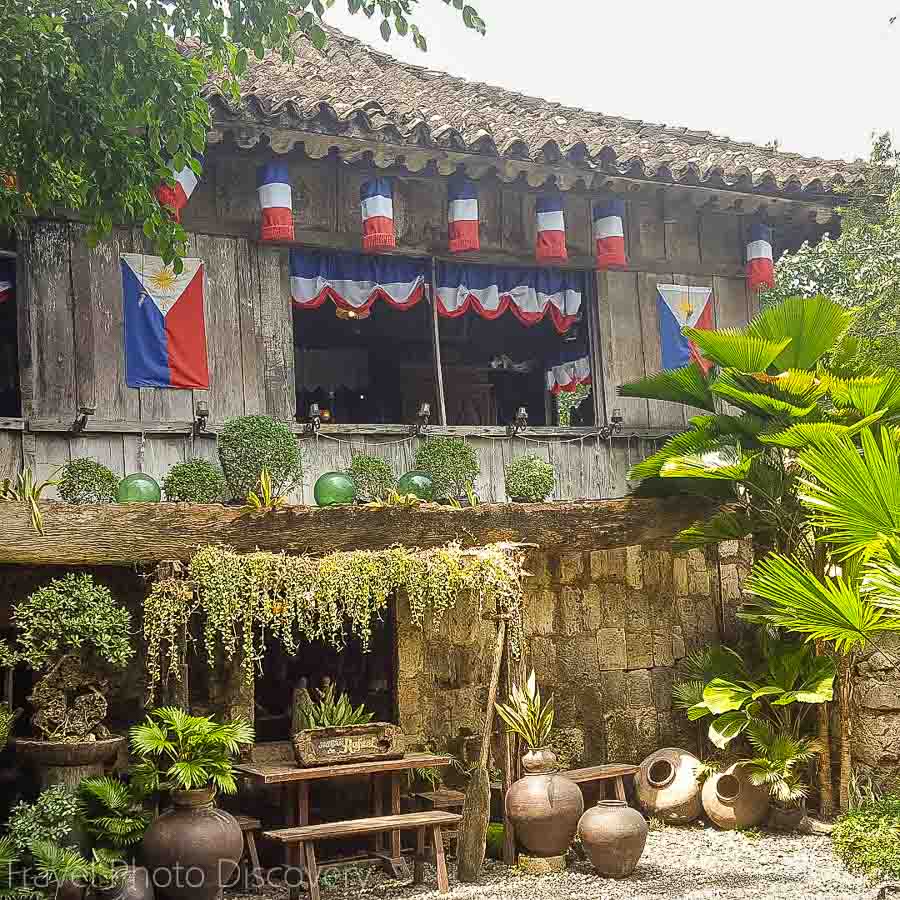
10,397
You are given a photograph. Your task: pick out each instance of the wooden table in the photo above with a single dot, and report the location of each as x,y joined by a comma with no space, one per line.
297,782
614,772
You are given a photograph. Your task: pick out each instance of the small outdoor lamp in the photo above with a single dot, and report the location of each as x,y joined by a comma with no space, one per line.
423,417
84,413
201,416
519,423
314,418
614,427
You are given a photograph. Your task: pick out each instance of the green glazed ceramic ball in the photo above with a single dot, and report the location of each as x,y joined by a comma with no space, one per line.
416,482
138,488
334,489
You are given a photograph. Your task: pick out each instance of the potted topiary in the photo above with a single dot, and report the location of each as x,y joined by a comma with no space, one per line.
334,731
529,479
372,476
87,481
73,634
248,445
452,465
191,757
195,481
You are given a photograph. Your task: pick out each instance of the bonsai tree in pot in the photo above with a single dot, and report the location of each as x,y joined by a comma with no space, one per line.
191,757
529,479
73,634
452,465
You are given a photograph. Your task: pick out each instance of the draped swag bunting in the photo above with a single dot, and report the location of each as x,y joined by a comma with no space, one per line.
176,198
377,206
609,233
275,202
760,265
550,244
462,215
567,376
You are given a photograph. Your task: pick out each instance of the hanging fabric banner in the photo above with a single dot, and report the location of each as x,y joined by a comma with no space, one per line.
529,293
462,215
609,234
550,245
679,306
7,278
175,199
376,199
760,265
165,337
567,376
355,282
275,204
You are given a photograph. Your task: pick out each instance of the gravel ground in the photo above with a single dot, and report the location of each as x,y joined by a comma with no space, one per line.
678,864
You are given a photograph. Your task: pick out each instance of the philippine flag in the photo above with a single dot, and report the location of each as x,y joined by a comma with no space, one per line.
679,306
376,199
551,229
462,215
7,278
760,267
165,337
274,189
609,234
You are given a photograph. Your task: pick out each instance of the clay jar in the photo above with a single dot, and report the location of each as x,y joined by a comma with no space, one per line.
731,800
613,835
544,806
667,786
203,842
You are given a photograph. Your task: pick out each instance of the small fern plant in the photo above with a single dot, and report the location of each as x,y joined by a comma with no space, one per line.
527,715
181,752
113,812
330,711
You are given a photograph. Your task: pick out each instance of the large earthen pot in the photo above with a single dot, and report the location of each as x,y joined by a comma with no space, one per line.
67,763
613,836
731,800
193,848
544,806
667,786
133,883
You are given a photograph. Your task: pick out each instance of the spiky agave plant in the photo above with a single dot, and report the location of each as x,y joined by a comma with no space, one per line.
330,711
527,715
780,763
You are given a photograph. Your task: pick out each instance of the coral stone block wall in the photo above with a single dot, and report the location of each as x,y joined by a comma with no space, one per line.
876,709
603,631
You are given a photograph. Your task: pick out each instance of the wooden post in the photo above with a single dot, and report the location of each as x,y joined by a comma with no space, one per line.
509,770
436,349
595,349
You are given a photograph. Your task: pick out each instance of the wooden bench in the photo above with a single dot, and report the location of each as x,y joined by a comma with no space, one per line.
249,828
614,772
305,837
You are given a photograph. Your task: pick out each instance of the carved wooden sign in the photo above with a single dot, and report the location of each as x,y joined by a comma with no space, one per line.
351,743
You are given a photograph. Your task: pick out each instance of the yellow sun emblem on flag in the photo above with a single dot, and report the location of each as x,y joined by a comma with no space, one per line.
163,280
686,308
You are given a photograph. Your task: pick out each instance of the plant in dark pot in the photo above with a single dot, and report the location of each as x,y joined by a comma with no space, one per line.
529,479
191,758
250,445
452,465
334,731
544,805
74,635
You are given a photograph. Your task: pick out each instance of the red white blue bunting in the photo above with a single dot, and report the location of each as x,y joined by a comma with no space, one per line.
275,203
355,282
529,294
760,265
609,234
175,199
376,199
462,215
550,245
567,376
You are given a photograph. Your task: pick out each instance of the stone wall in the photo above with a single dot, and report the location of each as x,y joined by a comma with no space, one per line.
602,630
876,709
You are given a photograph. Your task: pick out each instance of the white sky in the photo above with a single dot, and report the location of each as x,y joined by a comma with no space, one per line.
817,75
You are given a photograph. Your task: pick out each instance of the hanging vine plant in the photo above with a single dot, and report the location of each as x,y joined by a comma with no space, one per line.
243,598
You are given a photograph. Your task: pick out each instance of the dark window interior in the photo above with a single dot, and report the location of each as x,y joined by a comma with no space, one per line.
10,398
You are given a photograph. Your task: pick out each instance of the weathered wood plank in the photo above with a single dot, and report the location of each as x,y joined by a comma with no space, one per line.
732,306
253,357
10,454
278,333
136,533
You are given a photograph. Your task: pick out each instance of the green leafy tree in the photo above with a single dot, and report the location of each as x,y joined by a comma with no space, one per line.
102,98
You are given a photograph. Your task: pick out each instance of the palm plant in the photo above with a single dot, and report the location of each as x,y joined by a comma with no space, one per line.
781,760
178,751
527,715
113,812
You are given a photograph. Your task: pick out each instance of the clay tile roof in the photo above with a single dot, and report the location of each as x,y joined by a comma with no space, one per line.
349,81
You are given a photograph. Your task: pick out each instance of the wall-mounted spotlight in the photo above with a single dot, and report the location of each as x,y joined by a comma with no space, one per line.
616,422
423,417
519,422
84,413
313,419
201,416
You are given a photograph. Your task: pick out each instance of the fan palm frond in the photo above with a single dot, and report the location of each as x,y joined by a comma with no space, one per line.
803,434
696,440
725,463
687,385
734,348
868,394
727,525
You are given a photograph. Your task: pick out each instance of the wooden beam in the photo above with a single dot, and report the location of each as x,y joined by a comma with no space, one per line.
147,533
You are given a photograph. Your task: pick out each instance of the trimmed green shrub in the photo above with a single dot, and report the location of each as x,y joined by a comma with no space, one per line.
249,444
87,481
529,478
372,476
451,463
195,481
50,818
867,839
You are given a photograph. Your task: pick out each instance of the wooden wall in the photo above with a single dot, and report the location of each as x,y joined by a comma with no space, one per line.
72,354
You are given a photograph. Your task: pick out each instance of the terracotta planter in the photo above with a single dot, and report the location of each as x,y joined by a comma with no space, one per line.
731,800
544,806
59,762
667,786
193,848
613,835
